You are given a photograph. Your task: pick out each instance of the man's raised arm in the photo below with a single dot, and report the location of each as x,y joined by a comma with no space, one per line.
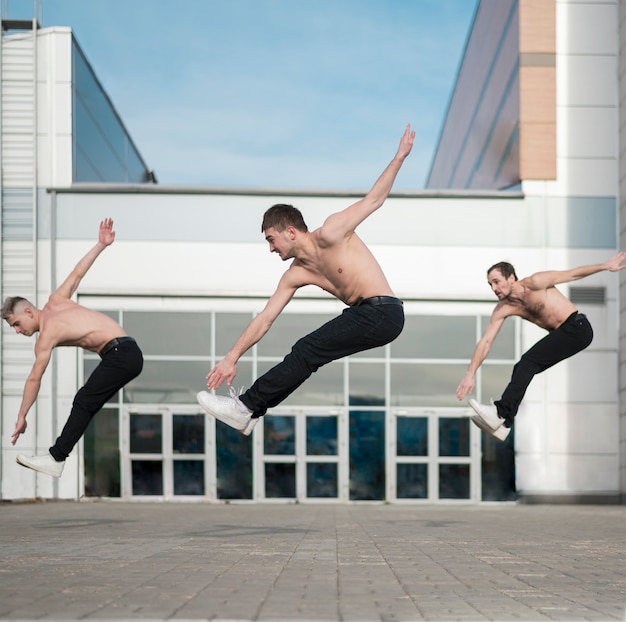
106,236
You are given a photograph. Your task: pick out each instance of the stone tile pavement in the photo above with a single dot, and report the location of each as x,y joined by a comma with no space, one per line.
114,560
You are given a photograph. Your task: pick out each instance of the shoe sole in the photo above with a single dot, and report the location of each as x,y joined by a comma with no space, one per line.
501,433
474,405
35,468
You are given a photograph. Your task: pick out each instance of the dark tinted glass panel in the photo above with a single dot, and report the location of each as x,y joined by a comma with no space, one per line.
367,455
280,481
147,476
412,436
188,434
279,435
454,481
498,468
234,463
188,477
102,455
321,480
169,333
321,436
454,436
412,481
146,434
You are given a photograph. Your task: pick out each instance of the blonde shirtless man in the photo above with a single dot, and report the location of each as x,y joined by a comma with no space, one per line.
536,299
335,259
63,322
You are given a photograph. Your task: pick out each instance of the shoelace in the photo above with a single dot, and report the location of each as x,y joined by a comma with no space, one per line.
234,393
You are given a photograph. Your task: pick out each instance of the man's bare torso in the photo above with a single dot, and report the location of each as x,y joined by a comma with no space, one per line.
66,323
547,308
346,269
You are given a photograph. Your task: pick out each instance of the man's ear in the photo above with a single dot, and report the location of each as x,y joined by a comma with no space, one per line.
29,312
292,232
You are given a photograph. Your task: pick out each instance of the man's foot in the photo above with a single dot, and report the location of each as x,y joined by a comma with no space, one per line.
229,410
501,433
44,464
488,413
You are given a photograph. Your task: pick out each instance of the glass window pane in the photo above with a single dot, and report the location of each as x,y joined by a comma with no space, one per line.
188,434
234,463
169,333
498,468
412,436
425,385
367,455
321,480
287,329
454,436
188,477
494,379
279,435
102,455
367,384
228,328
176,382
454,481
147,476
321,436
323,388
146,434
503,346
280,481
412,481
436,337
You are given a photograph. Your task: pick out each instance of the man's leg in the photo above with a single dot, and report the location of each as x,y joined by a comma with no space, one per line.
574,335
356,329
116,369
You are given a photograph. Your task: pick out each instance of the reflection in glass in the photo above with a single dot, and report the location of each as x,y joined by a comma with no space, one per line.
174,382
412,481
188,477
287,329
102,455
367,384
425,385
498,468
454,436
147,476
454,481
280,480
170,333
412,436
436,337
321,436
321,480
367,455
279,435
146,434
234,463
188,434
228,328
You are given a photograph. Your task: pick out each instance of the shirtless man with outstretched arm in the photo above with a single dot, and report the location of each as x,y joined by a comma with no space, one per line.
63,322
335,259
536,299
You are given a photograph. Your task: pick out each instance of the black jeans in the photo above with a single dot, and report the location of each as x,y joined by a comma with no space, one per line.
574,335
118,367
361,327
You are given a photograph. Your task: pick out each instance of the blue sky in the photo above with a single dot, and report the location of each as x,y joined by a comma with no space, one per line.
272,93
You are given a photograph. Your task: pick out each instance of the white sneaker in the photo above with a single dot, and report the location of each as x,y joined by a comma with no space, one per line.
44,464
229,410
501,433
488,413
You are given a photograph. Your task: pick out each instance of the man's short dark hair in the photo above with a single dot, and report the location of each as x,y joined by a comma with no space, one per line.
505,268
8,307
281,216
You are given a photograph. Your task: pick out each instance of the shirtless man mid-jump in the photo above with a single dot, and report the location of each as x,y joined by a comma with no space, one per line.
536,299
335,259
63,322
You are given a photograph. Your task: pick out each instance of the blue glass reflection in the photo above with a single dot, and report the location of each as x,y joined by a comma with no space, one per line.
234,463
454,481
454,436
321,480
188,477
412,481
280,480
321,436
412,436
367,455
279,435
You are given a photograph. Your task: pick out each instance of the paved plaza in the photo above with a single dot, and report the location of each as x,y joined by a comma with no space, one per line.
113,560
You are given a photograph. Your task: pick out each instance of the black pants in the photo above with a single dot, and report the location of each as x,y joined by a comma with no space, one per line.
574,335
118,367
373,322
